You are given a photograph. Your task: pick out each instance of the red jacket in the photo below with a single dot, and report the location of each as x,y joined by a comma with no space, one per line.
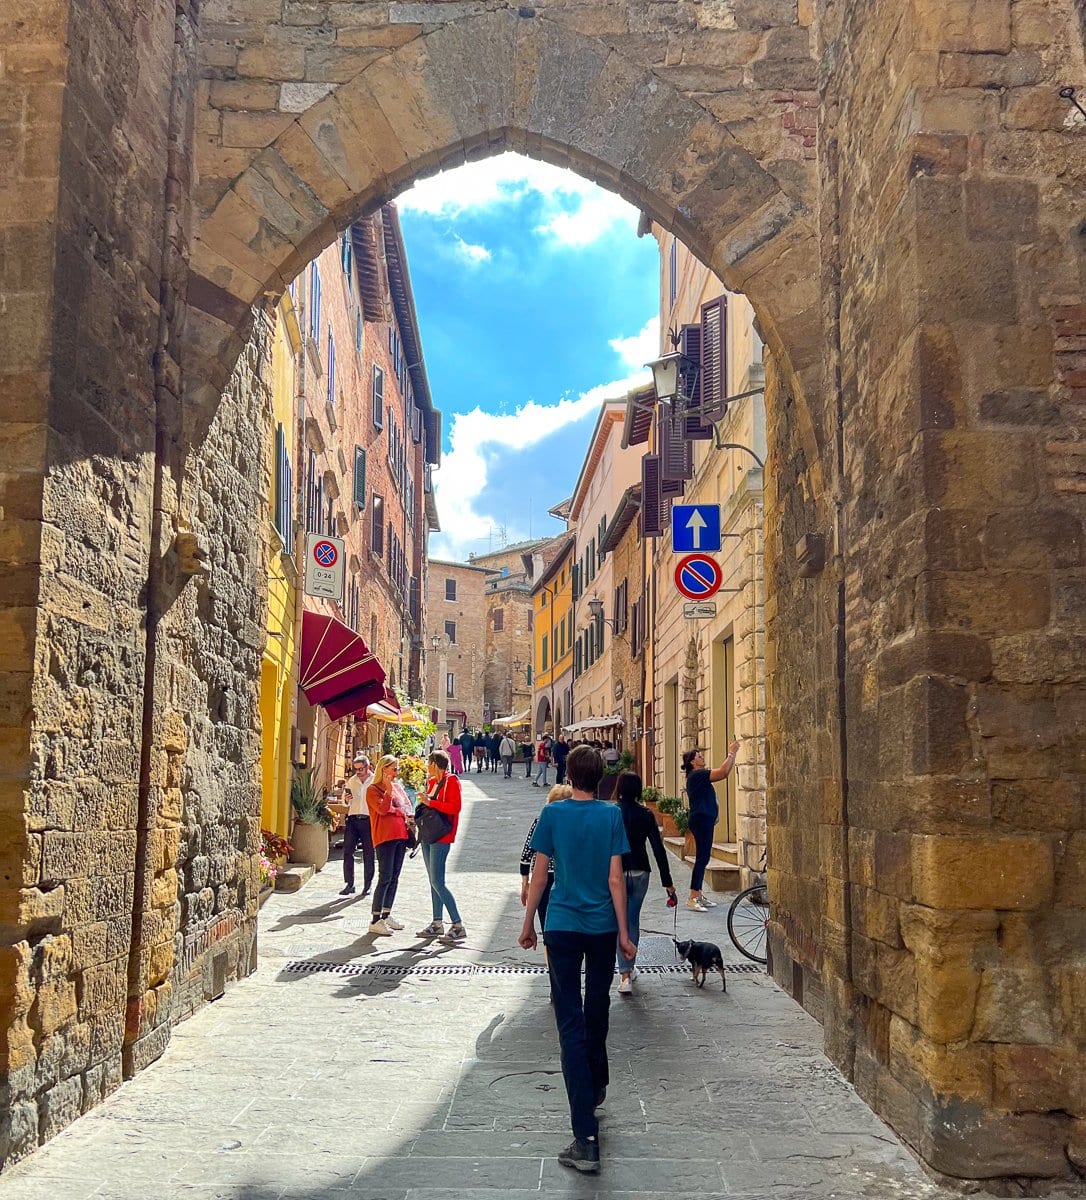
386,820
448,799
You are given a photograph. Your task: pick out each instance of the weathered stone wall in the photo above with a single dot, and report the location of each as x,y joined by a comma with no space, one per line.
950,168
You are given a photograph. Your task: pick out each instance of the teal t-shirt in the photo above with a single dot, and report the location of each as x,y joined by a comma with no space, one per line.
580,837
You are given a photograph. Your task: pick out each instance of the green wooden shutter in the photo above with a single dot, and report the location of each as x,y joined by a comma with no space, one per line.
359,477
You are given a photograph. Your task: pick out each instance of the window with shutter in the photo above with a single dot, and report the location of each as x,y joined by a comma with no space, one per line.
345,251
696,427
499,620
450,589
358,331
315,303
377,525
673,273
651,499
359,477
545,659
576,581
676,453
378,397
331,369
576,658
714,357
450,631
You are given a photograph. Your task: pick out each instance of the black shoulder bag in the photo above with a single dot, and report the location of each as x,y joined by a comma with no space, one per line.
431,825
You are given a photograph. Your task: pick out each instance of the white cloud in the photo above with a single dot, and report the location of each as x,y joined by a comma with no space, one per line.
472,254
476,437
643,347
576,212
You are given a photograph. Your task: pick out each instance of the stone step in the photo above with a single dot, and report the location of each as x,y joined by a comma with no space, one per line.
727,852
294,876
721,876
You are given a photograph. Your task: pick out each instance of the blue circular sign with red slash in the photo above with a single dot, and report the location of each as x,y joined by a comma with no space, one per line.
326,554
697,576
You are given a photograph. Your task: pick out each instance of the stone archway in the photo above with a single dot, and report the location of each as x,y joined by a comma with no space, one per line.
902,204
542,720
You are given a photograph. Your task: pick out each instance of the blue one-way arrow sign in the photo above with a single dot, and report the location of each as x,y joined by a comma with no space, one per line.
695,527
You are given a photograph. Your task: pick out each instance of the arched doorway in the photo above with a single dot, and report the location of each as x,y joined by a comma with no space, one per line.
922,527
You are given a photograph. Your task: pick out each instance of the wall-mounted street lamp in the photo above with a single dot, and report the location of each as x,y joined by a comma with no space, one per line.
667,372
595,608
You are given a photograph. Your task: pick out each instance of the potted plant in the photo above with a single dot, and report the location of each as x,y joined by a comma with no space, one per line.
273,854
668,808
313,820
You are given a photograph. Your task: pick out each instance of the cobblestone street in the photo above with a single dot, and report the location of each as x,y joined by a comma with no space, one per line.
308,1081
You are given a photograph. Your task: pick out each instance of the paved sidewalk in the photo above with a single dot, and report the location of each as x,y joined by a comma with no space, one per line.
433,1084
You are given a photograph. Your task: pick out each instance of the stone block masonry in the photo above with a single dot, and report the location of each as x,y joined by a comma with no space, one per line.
914,260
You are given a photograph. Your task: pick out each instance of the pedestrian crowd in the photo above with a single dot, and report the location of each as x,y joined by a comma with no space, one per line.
585,873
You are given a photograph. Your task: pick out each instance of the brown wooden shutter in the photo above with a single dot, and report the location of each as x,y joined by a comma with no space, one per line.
651,499
714,356
676,453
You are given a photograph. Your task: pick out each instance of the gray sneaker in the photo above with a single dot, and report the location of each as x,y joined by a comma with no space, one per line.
582,1155
457,932
434,930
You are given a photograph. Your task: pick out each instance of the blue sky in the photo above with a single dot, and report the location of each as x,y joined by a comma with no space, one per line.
537,301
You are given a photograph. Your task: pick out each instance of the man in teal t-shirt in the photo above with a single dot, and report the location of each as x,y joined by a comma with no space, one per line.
585,838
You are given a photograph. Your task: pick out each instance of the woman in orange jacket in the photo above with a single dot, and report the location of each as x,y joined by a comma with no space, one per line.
390,818
443,795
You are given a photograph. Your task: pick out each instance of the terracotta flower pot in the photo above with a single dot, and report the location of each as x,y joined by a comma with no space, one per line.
667,825
310,844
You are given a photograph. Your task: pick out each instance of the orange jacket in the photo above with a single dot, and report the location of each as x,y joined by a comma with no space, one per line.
387,822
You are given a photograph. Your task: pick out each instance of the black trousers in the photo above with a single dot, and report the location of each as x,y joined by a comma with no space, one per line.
582,1021
389,862
559,770
701,826
356,832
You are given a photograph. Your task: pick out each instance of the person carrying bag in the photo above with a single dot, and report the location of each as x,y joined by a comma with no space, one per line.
436,820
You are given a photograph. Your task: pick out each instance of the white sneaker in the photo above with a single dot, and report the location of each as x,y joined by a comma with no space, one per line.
706,902
392,923
625,987
695,905
380,928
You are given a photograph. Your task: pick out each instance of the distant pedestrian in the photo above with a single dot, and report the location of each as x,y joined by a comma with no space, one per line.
610,754
452,749
542,762
527,754
704,814
480,751
443,795
467,748
640,825
585,839
560,752
506,749
493,751
391,817
357,830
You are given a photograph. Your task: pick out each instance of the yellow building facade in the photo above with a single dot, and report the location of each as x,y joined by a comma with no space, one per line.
278,677
553,637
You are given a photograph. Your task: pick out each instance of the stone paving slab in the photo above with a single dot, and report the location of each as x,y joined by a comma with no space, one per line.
297,1086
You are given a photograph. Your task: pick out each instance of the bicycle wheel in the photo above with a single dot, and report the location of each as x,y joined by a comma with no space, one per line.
748,922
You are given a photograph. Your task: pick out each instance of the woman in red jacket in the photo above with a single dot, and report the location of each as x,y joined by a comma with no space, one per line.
390,816
442,794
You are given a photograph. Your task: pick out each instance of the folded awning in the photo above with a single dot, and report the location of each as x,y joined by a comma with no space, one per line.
335,663
355,702
589,724
519,719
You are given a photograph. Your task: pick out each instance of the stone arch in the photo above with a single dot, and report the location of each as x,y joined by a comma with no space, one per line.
737,186
542,715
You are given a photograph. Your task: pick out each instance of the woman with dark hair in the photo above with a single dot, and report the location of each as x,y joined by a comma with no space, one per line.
704,812
641,827
442,794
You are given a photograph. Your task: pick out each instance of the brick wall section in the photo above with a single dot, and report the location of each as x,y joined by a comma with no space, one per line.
466,657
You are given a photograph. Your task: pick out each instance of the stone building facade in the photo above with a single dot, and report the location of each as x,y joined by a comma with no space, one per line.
507,688
606,474
552,639
897,190
455,613
708,675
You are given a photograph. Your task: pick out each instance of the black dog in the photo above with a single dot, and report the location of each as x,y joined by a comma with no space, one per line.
702,957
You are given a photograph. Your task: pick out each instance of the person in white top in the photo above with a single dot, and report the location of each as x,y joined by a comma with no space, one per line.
356,829
507,748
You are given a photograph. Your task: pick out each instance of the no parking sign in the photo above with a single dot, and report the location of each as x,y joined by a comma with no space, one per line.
324,567
698,577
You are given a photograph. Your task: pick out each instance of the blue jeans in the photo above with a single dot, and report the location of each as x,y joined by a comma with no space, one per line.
701,826
582,1023
541,771
637,887
435,855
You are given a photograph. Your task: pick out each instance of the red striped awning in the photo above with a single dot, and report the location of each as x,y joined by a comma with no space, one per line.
337,663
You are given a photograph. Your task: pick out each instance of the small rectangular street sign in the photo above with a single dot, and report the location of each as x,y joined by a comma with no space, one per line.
695,527
325,567
699,610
